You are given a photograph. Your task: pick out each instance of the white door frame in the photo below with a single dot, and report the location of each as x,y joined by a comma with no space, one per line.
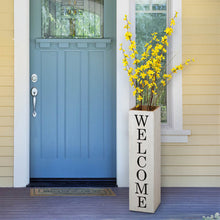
22,91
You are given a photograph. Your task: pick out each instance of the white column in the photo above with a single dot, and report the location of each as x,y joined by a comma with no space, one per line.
21,93
124,98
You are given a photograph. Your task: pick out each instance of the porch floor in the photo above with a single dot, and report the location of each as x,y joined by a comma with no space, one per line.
177,203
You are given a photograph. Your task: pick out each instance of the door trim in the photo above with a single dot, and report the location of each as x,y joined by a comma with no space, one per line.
22,91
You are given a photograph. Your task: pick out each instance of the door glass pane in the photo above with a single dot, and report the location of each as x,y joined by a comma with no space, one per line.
72,18
151,16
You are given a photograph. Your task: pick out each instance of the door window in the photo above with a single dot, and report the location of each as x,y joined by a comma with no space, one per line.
72,18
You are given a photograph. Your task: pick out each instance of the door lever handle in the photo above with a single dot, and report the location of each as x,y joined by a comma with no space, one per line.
34,93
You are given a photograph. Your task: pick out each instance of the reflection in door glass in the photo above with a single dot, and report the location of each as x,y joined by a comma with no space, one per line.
72,18
151,16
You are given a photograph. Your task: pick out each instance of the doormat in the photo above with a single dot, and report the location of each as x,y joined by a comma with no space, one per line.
71,192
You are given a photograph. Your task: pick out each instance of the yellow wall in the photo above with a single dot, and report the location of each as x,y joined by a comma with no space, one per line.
6,92
197,163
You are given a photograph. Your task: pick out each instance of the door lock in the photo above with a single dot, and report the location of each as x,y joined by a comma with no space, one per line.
34,78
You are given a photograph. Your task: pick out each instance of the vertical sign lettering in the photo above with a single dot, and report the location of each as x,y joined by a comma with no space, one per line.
141,185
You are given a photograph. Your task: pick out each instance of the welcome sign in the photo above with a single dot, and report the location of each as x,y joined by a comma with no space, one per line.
144,160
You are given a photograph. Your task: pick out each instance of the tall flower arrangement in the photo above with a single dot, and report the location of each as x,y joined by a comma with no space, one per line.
147,71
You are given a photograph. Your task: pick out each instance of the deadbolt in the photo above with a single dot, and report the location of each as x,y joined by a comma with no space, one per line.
34,78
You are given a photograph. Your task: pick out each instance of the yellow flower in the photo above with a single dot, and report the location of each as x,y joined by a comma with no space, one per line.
172,23
149,47
159,46
143,75
150,72
169,30
163,82
165,76
154,92
158,76
128,35
120,47
125,62
144,54
132,46
180,67
193,59
139,90
146,44
174,70
139,98
135,76
164,38
155,85
155,36
169,76
136,61
137,70
164,50
130,70
131,78
154,52
176,14
132,55
126,26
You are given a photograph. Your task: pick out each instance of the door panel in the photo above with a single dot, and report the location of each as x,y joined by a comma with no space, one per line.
96,114
73,134
49,105
73,105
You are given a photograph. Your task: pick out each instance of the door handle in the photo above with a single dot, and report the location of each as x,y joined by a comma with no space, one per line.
34,93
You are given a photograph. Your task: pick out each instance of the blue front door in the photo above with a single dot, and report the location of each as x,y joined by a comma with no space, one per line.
73,124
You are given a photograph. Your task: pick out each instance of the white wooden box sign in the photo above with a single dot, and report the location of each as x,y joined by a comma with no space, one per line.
144,160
